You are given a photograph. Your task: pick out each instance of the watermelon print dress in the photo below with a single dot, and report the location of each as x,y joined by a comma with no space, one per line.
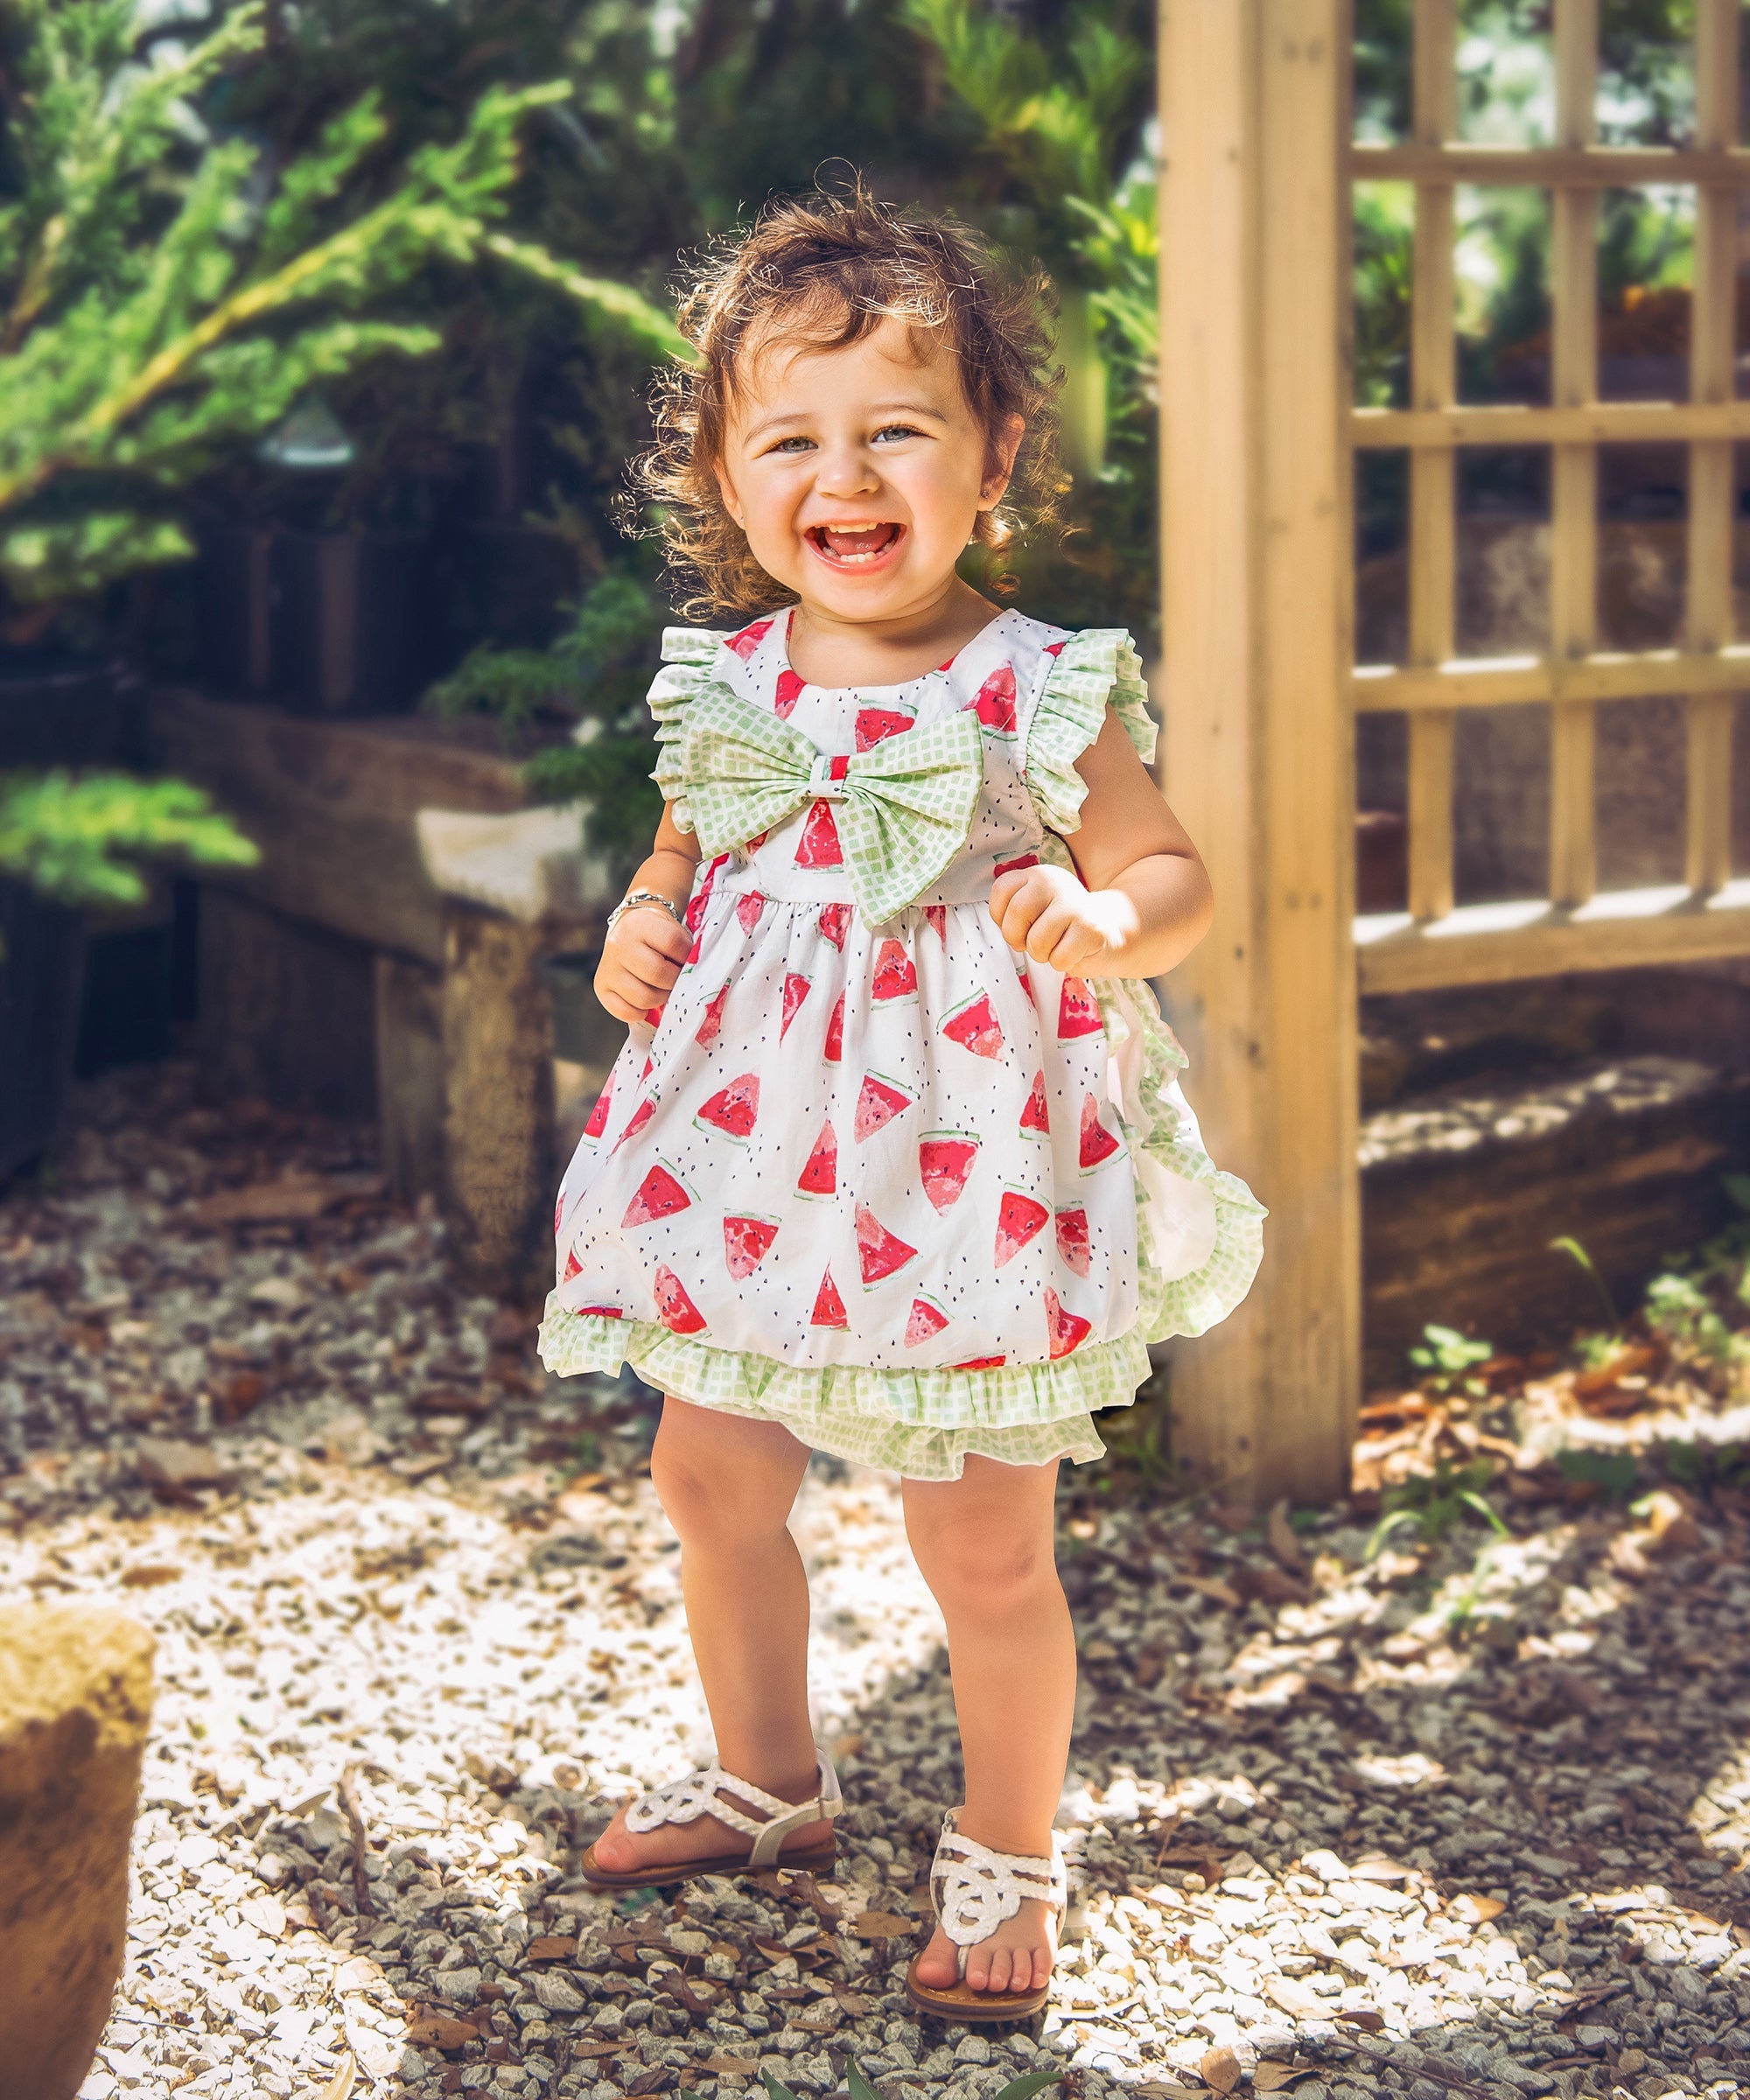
869,1172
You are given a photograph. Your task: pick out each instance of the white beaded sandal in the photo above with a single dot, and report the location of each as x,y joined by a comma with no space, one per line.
711,1791
973,1890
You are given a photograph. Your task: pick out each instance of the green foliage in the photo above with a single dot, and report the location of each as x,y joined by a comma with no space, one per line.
1680,1311
158,315
1430,1503
1569,1246
1614,1472
1700,1466
70,836
594,674
1443,1357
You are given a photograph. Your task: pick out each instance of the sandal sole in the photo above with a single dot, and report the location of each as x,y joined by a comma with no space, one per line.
968,2008
816,1859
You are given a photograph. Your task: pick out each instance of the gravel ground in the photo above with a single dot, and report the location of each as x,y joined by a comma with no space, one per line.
1462,1819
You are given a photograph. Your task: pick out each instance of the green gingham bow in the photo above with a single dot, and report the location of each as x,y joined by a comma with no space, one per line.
905,806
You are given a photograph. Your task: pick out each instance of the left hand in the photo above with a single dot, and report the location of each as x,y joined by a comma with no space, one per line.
1057,920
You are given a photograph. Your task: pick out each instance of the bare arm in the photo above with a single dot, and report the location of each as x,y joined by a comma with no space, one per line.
1139,900
642,956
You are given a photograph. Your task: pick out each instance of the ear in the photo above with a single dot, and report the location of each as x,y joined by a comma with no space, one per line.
999,463
731,503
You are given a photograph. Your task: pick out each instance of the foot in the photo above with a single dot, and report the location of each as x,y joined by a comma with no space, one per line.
1017,1956
619,1850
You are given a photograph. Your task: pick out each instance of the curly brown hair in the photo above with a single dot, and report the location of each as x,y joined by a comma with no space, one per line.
834,267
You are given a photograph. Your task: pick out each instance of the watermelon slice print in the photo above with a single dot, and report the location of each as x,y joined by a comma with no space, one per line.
1023,860
1098,1144
573,1266
980,1363
660,1194
745,1241
875,723
636,1121
752,845
1036,1116
1065,1329
819,847
598,1122
878,1101
945,1159
1071,1237
696,904
820,1176
879,1253
928,1319
1052,648
995,706
1019,1218
974,1025
745,643
649,1066
895,976
829,1306
789,691
653,1017
748,907
732,1109
835,923
600,1312
1078,1011
833,1050
795,991
558,1213
711,1020
695,951
673,1308
937,915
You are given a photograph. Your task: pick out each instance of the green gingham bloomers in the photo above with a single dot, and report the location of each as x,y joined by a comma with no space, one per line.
871,1174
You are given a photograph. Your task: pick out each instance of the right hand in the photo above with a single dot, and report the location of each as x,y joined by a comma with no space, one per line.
640,960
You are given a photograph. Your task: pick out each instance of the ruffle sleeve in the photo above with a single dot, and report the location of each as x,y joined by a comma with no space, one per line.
687,656
1093,671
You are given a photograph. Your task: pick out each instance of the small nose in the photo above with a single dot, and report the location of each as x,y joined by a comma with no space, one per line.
846,470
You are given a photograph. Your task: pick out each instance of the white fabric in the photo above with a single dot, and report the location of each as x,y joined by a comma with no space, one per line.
976,1888
706,1791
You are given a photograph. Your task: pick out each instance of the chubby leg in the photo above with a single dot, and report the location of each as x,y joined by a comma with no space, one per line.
984,1545
728,1485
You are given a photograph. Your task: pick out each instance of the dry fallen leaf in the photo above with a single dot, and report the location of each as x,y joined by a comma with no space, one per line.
1365,2019
731,2067
438,2031
342,2084
1212,1585
1272,2078
882,1925
149,1574
1220,2069
1475,1910
1282,1543
550,1946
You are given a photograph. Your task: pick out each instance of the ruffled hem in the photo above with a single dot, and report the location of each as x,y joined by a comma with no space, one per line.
1095,670
1200,1231
1104,1375
687,656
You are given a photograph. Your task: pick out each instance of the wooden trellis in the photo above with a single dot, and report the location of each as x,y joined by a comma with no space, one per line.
1260,684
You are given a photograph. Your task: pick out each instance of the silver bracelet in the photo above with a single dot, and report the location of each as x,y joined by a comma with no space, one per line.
633,898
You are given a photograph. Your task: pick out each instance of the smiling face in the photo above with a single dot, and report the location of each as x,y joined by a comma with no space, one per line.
857,474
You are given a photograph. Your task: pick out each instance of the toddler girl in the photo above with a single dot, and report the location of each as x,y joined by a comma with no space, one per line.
893,1163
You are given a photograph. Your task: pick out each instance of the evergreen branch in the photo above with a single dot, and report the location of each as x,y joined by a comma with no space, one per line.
645,321
65,832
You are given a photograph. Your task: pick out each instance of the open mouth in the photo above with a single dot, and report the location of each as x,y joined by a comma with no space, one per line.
855,546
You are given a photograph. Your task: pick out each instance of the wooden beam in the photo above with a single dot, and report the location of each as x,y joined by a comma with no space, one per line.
1433,475
1512,681
1497,943
1598,423
1711,507
1593,167
1258,761
1574,468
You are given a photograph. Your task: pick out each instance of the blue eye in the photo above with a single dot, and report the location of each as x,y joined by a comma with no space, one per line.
792,444
895,429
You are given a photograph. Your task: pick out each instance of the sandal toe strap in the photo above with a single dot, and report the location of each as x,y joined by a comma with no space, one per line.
711,1791
976,1888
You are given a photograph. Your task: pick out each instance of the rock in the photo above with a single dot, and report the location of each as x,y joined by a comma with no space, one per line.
1689,1987
168,1462
557,1992
460,1986
75,1700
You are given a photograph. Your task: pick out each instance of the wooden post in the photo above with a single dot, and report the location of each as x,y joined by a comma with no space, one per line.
1708,858
1258,746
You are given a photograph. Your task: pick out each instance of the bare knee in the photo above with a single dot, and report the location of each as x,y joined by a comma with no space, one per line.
982,1571
722,1492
